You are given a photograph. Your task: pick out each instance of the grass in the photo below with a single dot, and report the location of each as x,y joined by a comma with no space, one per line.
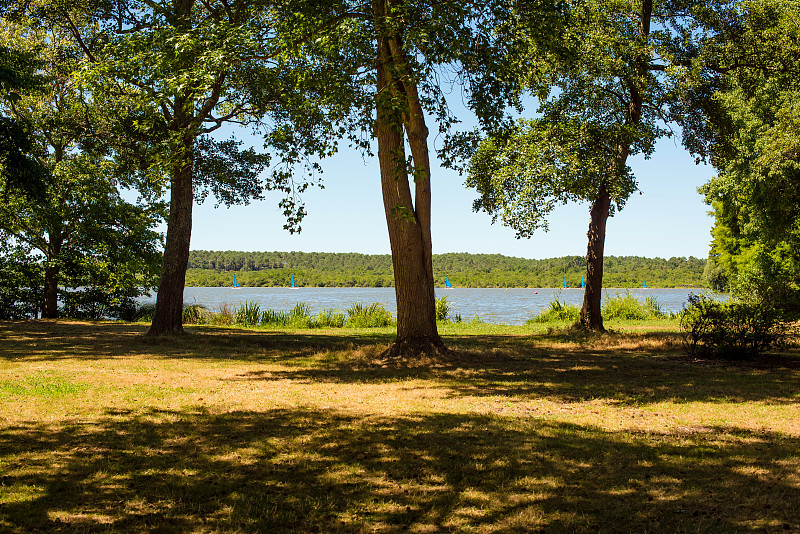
522,429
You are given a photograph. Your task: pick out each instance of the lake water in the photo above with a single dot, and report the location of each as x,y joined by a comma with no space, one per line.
493,305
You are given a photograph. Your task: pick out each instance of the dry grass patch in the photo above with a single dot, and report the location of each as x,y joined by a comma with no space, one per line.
223,430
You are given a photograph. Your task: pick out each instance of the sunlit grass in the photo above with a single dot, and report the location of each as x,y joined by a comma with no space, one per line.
520,429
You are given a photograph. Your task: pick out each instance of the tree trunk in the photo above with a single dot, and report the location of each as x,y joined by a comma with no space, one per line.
591,318
50,305
408,222
168,318
52,274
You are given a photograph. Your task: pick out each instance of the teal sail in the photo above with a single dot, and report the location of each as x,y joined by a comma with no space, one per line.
292,283
565,282
235,283
447,281
643,282
582,282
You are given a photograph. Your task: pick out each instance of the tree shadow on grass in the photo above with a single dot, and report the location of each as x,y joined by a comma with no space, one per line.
53,340
522,367
315,471
528,371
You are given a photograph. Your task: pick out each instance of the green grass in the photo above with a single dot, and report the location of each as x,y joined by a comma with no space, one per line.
521,429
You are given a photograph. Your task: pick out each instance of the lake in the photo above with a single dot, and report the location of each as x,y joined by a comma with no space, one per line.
493,305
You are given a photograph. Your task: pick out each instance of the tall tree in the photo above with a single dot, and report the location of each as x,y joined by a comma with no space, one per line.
180,70
393,52
596,68
747,98
82,230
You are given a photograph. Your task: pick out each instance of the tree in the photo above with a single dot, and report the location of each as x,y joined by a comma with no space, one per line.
595,68
391,49
752,60
79,232
177,71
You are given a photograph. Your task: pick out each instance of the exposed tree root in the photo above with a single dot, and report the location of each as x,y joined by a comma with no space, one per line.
416,347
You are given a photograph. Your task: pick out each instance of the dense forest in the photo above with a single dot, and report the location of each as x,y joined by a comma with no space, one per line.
322,269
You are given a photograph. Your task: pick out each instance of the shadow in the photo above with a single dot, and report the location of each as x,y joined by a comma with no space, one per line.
316,471
53,340
562,369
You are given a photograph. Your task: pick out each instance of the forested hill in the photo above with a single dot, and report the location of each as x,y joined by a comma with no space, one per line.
327,269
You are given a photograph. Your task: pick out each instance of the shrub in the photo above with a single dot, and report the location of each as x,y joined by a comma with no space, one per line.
629,308
329,319
558,312
274,318
145,313
730,330
248,314
193,313
442,309
362,316
223,317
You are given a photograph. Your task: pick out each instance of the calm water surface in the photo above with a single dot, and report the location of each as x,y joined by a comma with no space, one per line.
493,305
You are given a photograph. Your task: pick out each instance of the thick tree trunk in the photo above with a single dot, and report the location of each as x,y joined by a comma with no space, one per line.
168,318
50,305
591,318
408,221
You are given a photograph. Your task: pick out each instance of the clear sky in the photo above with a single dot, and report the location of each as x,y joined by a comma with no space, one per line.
668,219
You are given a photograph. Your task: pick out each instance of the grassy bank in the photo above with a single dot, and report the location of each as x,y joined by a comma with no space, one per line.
520,430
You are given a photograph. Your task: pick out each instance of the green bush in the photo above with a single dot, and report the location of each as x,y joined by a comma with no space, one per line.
730,330
558,312
362,316
224,316
248,314
627,308
193,314
329,319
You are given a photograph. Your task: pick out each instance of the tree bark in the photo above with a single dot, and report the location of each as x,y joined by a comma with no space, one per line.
591,318
51,277
408,221
168,318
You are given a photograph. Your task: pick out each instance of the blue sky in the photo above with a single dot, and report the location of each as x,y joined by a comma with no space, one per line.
668,219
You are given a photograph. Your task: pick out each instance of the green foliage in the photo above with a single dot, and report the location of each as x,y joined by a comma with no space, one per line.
328,318
748,114
730,330
248,314
192,314
316,269
627,307
19,169
360,315
557,312
79,232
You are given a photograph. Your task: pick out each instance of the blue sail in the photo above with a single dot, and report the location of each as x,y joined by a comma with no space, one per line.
582,282
235,283
643,282
565,282
292,283
447,281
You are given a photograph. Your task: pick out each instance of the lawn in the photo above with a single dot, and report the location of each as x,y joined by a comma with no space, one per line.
520,430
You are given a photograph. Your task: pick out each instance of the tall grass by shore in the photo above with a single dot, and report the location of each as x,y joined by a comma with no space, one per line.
620,307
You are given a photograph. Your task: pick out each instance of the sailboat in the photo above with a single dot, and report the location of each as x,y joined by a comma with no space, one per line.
565,283
292,283
447,282
643,282
583,284
235,283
